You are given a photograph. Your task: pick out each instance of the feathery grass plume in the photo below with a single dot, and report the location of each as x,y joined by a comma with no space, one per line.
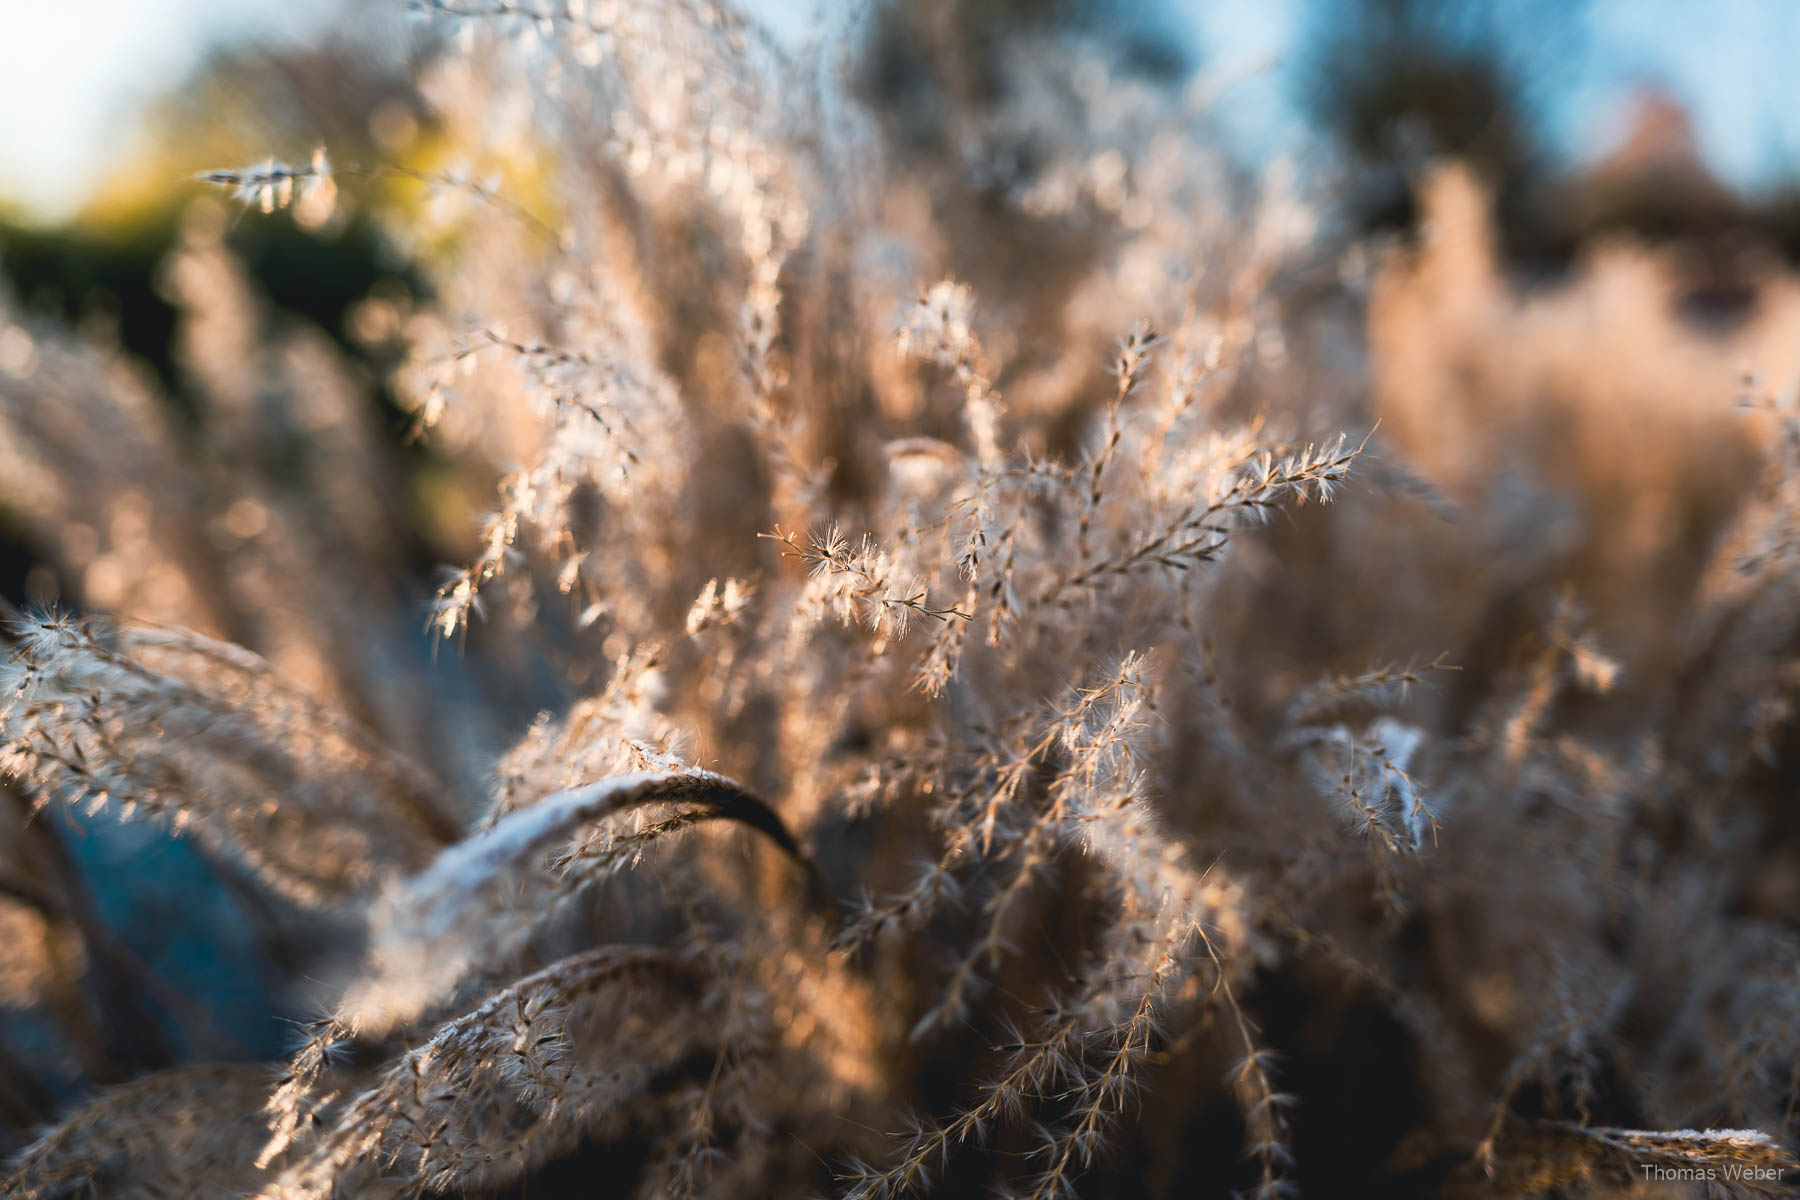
194,1130
481,897
506,1085
1382,687
274,184
206,737
606,415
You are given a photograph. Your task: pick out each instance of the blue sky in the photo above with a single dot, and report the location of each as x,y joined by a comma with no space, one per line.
74,73
1734,63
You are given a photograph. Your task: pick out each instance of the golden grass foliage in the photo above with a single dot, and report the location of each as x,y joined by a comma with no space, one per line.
978,761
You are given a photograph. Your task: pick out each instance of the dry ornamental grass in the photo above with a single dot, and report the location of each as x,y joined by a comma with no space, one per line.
1066,691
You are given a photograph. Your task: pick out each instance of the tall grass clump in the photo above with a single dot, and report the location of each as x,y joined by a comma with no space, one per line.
994,653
